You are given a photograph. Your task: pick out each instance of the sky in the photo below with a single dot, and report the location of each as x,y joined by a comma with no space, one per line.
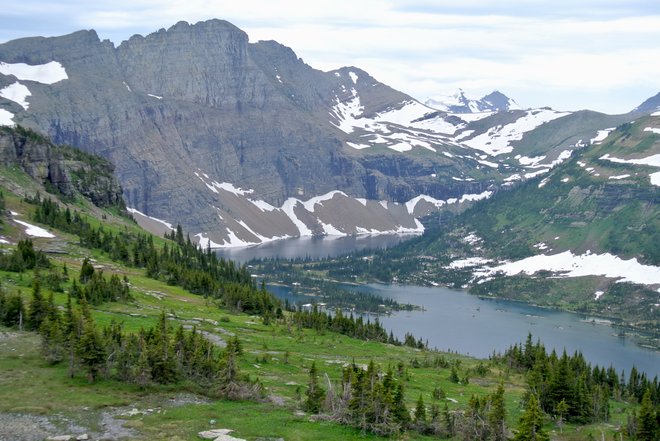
602,55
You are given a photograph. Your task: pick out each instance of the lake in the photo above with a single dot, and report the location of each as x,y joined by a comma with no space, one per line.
312,247
457,321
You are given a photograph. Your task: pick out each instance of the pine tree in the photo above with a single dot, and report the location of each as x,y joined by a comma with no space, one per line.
400,410
561,410
530,427
647,429
229,385
91,351
314,393
38,309
420,415
497,414
86,271
53,344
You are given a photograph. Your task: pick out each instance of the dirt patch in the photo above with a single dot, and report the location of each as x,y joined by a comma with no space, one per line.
109,424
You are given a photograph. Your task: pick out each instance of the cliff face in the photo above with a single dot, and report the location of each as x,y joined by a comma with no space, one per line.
64,169
186,111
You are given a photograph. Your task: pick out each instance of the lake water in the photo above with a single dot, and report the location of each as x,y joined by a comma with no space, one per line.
313,247
456,321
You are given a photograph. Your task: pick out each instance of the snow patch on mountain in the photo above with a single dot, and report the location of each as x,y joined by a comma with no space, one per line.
49,73
472,197
288,207
602,134
6,118
530,162
310,204
347,114
17,93
567,264
135,211
655,178
35,231
616,178
653,161
652,130
497,140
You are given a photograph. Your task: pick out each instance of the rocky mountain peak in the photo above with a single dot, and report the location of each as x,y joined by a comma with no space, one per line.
650,105
458,102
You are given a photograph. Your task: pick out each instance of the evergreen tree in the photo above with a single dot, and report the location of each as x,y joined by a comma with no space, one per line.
530,427
161,354
12,309
497,414
52,339
647,429
229,386
315,393
561,410
400,410
38,308
91,351
420,415
448,422
86,271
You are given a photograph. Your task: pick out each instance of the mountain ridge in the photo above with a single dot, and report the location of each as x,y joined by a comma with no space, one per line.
181,110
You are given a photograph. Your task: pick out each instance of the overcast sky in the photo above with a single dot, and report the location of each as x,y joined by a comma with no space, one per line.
568,54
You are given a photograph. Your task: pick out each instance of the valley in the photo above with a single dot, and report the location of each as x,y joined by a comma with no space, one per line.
200,232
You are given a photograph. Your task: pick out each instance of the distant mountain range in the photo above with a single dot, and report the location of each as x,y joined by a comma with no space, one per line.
244,143
459,103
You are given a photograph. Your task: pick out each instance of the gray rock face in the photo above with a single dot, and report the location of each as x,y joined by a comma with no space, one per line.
183,112
648,106
69,171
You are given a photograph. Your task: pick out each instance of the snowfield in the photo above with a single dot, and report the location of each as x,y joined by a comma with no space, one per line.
653,161
17,93
602,134
411,204
6,118
497,140
134,211
567,264
34,231
49,73
652,130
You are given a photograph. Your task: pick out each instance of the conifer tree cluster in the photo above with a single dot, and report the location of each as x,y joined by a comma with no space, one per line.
159,355
568,388
24,257
368,399
96,289
180,263
12,309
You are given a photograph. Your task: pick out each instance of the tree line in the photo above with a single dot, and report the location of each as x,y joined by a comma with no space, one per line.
374,401
321,321
162,354
570,389
181,262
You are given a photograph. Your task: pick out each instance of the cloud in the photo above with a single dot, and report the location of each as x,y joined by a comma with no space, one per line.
554,52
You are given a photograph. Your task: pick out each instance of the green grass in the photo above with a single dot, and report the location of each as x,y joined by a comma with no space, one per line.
277,354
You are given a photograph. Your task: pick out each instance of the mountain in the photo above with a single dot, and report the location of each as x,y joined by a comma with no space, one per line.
61,170
582,236
169,337
459,103
244,143
650,105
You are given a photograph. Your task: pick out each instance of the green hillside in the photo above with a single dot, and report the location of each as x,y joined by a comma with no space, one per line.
183,342
599,201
